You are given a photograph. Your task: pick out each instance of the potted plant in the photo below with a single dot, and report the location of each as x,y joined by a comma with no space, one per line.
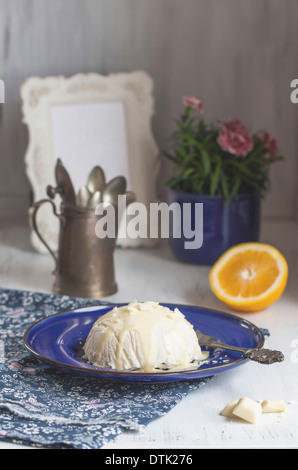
224,167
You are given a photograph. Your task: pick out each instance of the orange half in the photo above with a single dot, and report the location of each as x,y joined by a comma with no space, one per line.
249,277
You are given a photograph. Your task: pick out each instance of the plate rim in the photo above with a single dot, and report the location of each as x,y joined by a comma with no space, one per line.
119,373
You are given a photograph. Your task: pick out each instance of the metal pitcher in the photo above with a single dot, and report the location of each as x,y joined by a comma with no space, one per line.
84,263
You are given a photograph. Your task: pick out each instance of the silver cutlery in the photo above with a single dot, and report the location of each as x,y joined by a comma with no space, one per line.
113,189
262,356
94,200
83,197
96,180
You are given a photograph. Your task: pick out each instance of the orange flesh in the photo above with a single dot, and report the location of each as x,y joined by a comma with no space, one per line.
248,274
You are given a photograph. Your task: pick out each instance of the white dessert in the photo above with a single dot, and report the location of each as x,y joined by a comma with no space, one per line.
144,336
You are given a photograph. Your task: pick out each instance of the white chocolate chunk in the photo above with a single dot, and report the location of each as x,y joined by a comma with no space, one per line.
228,409
248,409
273,405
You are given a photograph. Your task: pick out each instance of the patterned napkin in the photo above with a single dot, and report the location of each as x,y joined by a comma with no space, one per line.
42,406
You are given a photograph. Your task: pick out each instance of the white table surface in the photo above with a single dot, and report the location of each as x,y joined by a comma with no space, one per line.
154,274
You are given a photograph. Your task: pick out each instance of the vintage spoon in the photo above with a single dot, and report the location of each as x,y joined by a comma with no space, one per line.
115,187
83,197
96,180
130,197
94,200
263,356
64,184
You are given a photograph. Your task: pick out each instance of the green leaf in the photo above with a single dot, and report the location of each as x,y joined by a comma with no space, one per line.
224,186
215,178
243,169
235,189
189,160
203,153
206,161
207,139
253,185
171,157
187,173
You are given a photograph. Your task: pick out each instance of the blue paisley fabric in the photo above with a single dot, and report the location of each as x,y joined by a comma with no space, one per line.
44,407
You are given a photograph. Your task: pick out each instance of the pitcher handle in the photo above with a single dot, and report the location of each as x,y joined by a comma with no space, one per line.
37,206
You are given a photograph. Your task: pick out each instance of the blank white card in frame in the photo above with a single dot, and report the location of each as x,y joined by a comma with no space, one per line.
89,134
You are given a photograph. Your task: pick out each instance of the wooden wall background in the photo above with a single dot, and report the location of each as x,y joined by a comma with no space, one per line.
238,55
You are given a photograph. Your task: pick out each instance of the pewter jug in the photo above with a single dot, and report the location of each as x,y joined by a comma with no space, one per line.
84,263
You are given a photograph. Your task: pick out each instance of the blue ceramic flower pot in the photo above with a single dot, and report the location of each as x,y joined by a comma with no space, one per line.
223,226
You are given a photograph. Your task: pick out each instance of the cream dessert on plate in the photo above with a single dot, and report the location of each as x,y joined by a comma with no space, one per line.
143,336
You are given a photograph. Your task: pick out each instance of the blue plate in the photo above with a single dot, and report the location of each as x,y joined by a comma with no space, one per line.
58,340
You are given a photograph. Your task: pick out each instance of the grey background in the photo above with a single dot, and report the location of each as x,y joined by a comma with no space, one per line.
239,56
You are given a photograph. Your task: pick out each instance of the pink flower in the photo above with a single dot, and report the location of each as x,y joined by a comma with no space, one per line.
34,402
193,102
234,138
18,366
15,366
29,370
270,144
16,313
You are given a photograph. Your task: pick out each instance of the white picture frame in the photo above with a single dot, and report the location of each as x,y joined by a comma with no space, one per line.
40,96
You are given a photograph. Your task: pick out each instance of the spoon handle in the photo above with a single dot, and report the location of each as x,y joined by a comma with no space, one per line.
219,344
262,356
